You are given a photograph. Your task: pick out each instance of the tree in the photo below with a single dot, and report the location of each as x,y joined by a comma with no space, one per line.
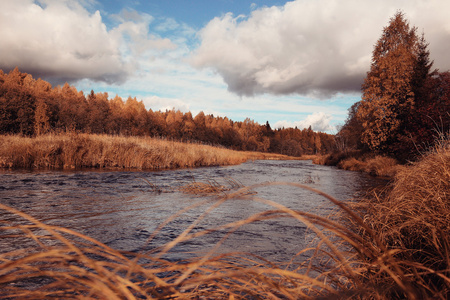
17,104
98,112
388,92
41,118
73,116
349,135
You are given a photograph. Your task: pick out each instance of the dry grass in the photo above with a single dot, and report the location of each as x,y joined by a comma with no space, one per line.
413,216
73,151
362,162
211,187
378,166
394,245
272,156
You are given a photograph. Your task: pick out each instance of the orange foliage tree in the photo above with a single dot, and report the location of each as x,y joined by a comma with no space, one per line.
388,95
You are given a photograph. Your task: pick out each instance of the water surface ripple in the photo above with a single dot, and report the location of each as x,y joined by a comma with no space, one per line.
122,209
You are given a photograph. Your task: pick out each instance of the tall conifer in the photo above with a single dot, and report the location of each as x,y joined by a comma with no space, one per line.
388,92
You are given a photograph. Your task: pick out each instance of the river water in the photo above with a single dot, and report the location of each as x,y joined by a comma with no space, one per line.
123,209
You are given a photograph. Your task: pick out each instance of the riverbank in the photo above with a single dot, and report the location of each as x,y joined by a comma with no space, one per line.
76,151
375,165
409,223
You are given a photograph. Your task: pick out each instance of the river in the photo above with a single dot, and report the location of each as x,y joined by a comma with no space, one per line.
123,209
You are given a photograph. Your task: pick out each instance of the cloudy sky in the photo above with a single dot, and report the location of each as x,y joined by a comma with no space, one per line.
292,63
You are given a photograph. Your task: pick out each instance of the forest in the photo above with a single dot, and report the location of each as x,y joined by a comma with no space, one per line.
32,107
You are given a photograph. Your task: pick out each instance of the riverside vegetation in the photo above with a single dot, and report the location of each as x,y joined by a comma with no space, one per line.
75,151
393,244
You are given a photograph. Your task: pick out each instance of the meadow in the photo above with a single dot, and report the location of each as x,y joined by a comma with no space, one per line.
391,244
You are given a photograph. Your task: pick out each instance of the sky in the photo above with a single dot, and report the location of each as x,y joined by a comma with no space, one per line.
292,63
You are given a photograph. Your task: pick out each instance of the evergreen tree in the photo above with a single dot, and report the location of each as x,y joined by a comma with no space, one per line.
388,91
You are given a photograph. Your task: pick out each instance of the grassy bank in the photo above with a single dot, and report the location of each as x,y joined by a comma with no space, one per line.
375,165
393,244
412,221
74,151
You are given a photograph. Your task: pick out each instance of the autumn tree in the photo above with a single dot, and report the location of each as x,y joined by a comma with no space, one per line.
73,114
135,117
98,112
388,92
349,135
41,118
17,104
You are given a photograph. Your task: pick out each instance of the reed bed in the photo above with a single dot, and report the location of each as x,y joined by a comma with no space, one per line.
393,244
74,151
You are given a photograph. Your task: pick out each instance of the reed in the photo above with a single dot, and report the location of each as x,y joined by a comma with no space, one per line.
74,151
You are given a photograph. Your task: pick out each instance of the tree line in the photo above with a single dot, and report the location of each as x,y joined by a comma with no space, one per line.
33,107
405,103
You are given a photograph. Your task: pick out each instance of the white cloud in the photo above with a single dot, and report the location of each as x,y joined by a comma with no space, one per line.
158,103
315,48
60,41
133,33
318,121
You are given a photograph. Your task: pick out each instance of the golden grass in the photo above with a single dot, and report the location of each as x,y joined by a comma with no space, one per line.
394,245
355,161
74,151
378,166
413,216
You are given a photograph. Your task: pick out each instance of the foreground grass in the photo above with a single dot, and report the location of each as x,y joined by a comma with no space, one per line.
390,245
74,151
412,220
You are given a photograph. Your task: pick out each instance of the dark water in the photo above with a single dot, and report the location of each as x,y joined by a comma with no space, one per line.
122,209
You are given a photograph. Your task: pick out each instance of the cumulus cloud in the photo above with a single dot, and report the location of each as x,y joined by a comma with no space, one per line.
314,48
60,40
318,121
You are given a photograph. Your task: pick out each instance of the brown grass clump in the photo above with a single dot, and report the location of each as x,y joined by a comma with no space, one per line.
362,162
201,188
378,166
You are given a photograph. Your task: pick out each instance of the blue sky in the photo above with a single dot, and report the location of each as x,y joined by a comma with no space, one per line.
292,63
196,13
